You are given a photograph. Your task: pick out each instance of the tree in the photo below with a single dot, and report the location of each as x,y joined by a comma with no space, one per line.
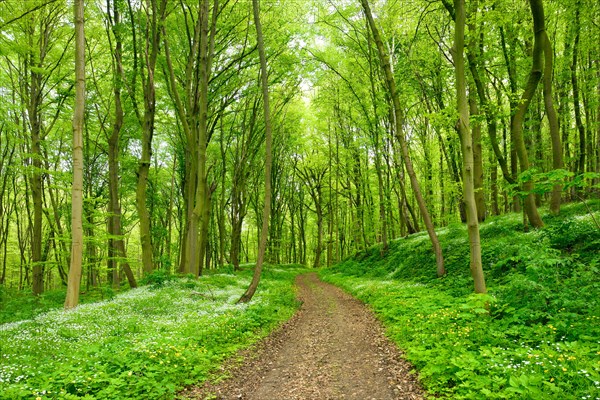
155,15
193,114
115,224
467,147
313,175
399,120
537,12
77,192
557,150
247,296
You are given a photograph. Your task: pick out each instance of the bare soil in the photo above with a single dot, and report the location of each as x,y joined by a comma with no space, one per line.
333,348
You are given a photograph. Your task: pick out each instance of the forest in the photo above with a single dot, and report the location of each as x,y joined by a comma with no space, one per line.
170,171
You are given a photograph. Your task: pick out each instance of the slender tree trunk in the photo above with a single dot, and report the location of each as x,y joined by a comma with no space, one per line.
205,218
509,58
477,162
598,117
467,148
6,208
155,15
537,11
262,246
576,103
385,63
118,245
494,186
474,67
557,151
58,224
143,172
238,213
319,249
564,112
36,184
190,227
221,213
382,204
74,281
378,163
172,191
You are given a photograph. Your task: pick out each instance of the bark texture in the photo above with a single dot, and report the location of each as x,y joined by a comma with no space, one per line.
74,281
467,148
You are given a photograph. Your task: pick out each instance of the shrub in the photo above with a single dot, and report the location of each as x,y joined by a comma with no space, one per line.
157,278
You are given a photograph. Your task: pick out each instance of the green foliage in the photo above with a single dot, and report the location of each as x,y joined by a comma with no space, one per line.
569,233
148,343
545,181
157,279
536,335
16,305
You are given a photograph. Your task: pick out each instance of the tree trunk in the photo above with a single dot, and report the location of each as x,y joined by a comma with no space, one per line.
143,172
193,114
492,126
319,249
169,237
262,246
205,219
36,183
238,213
201,200
118,245
74,281
399,118
537,11
576,105
155,15
598,118
6,207
467,148
557,151
494,186
477,161
509,58
221,213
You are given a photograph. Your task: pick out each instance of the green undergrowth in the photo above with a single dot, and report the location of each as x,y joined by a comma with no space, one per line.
16,305
146,343
535,335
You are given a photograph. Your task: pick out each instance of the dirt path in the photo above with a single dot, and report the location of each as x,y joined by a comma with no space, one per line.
333,348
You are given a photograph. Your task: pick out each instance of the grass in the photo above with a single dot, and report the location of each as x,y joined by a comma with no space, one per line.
535,335
17,305
149,342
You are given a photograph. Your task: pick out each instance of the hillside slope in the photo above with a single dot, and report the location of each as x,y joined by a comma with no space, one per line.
541,336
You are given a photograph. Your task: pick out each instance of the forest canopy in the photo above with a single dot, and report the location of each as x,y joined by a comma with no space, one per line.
388,118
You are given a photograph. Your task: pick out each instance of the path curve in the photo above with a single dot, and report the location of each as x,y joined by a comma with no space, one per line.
333,348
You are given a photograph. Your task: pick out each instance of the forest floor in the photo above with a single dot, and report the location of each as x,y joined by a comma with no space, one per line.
333,348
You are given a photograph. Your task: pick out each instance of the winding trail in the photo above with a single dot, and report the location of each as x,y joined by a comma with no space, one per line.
333,348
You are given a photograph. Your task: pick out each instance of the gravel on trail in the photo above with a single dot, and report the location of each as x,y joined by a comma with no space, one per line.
333,348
